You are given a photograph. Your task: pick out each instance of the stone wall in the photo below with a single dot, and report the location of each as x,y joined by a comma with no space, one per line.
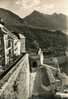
16,81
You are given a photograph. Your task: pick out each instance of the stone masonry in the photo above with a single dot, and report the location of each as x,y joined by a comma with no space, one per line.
16,82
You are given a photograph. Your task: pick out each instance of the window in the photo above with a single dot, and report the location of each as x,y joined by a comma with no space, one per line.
9,56
9,53
16,43
4,30
34,65
0,41
8,42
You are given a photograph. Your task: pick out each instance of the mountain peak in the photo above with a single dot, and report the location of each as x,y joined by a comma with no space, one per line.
50,22
35,12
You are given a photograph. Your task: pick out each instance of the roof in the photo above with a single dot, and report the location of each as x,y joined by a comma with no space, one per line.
21,35
6,31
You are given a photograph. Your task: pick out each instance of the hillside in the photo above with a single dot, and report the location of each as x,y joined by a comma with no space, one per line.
56,41
50,22
35,19
9,17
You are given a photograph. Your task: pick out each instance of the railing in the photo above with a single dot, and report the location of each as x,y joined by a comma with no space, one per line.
45,65
6,70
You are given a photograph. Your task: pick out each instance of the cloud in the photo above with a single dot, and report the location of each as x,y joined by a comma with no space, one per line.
25,7
28,3
45,6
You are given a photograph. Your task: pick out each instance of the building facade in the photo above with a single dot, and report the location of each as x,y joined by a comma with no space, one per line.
11,46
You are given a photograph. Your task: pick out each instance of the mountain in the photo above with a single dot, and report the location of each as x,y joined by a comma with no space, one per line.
35,19
9,17
50,22
38,27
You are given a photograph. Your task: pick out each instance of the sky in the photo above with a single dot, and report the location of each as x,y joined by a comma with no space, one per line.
25,7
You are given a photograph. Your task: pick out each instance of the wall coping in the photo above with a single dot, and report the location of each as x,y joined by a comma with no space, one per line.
7,76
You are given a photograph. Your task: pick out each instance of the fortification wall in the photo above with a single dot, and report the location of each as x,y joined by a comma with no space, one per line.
15,84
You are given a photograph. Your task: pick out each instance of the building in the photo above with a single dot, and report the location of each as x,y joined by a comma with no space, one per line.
11,45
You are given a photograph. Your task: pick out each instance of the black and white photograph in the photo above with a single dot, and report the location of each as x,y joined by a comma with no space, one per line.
33,49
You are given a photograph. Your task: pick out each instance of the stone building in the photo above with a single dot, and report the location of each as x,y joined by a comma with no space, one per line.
11,45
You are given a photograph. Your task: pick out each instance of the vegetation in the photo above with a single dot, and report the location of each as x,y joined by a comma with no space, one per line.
45,29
